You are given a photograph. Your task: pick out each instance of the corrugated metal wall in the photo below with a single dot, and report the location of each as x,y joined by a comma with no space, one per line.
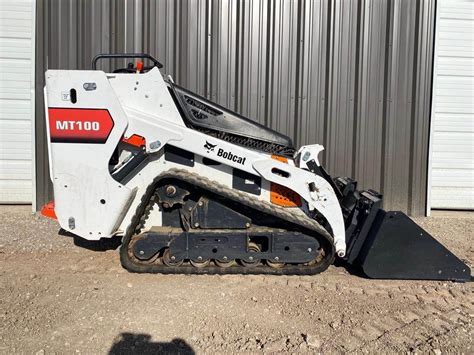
352,75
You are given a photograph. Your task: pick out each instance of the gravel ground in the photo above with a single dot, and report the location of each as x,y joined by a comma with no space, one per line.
56,297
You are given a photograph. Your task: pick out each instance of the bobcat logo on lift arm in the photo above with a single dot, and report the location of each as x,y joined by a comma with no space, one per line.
210,147
226,155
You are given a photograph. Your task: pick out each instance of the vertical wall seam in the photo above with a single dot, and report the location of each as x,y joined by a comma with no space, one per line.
386,105
238,57
414,99
357,86
298,92
328,70
269,59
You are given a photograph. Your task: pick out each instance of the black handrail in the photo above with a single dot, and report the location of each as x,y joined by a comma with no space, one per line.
156,63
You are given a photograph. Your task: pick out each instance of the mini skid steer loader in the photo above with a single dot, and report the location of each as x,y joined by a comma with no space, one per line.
192,187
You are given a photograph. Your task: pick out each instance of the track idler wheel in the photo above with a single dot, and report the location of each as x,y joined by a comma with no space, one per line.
251,260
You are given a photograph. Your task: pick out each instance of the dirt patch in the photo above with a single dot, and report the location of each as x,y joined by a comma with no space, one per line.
58,297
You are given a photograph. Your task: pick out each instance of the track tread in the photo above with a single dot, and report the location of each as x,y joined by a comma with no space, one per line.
304,222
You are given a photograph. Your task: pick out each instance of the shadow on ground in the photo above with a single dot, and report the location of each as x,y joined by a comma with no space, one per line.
103,244
130,343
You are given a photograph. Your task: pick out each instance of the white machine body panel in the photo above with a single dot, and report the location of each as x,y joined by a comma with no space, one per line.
90,203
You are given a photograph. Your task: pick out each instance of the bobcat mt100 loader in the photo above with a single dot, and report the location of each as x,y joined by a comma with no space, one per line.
192,187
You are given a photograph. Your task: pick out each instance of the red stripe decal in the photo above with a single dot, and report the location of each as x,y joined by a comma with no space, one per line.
68,125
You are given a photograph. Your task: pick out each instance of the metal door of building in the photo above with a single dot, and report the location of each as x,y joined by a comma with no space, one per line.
17,100
452,149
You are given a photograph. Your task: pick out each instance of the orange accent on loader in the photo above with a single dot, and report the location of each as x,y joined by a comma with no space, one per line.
281,195
135,140
48,210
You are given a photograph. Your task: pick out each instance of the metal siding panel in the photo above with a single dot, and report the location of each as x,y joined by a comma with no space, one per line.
159,32
253,59
282,81
422,108
370,102
43,190
399,108
339,130
313,73
223,52
352,75
193,46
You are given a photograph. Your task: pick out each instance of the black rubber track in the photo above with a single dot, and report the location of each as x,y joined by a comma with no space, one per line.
301,222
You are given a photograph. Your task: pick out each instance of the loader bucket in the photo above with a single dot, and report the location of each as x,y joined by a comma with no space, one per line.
395,247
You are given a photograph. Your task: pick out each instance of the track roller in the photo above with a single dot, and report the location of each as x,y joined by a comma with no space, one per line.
200,263
275,264
169,260
251,261
224,263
